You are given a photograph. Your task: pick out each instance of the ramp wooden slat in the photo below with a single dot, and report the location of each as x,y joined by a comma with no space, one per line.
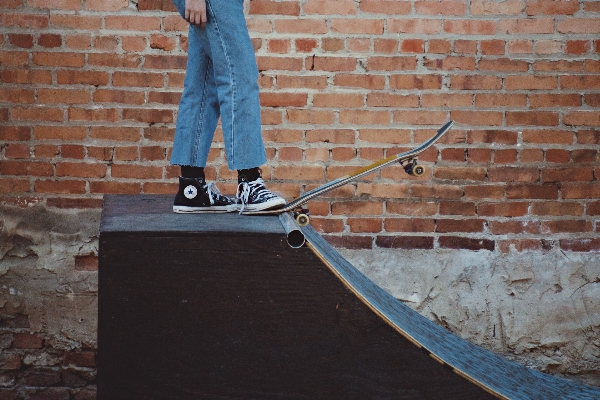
220,307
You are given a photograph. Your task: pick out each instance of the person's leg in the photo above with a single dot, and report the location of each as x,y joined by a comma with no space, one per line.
236,79
198,111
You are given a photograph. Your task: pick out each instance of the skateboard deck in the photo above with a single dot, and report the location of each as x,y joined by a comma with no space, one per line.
407,159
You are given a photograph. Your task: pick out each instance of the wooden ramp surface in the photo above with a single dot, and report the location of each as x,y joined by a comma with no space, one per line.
220,307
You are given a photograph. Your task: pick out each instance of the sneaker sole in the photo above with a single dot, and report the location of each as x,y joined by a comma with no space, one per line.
275,203
201,210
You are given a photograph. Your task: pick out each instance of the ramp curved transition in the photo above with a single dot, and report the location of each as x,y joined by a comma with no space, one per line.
483,368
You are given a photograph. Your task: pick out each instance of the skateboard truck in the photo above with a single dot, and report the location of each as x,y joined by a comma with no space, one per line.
412,168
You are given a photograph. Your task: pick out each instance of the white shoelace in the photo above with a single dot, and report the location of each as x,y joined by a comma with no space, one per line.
250,188
212,190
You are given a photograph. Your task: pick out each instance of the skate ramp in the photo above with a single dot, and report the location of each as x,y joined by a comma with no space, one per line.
221,307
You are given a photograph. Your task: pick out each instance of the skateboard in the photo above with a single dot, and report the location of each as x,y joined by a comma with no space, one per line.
408,160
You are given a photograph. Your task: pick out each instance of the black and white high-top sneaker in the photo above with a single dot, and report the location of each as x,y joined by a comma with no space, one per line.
254,196
197,196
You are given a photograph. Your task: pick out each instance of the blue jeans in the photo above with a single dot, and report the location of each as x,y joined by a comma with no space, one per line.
221,81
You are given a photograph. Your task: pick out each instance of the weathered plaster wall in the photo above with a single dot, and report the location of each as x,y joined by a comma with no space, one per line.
48,302
540,309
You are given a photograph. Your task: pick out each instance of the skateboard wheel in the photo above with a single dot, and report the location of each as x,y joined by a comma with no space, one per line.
302,219
418,170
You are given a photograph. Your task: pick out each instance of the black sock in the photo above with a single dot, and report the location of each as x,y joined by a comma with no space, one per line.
251,174
192,172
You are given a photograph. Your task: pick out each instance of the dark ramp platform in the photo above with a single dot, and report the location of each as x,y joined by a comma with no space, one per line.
220,307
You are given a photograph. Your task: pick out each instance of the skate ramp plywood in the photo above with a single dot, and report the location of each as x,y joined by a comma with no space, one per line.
220,307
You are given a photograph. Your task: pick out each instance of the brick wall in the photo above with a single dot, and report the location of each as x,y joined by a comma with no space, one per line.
89,93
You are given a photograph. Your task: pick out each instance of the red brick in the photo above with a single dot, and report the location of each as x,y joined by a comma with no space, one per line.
62,186
388,136
504,209
83,22
530,82
549,137
114,60
10,185
415,26
338,100
392,100
405,242
514,227
326,63
116,5
310,116
385,7
27,341
151,116
24,20
478,118
357,208
364,117
64,96
119,96
439,46
492,47
557,208
460,173
566,226
29,168
73,203
279,63
306,173
456,8
382,190
80,359
487,7
87,262
113,187
75,77
76,151
471,27
310,82
554,100
283,99
436,191
136,171
484,192
535,118
528,191
409,225
580,245
494,100
81,170
364,81
578,25
475,82
421,117
93,114
580,190
385,46
527,26
411,209
364,225
138,79
567,174
269,7
350,242
21,40
391,63
457,208
555,7
282,135
513,174
458,243
357,26
49,40
582,118
301,25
